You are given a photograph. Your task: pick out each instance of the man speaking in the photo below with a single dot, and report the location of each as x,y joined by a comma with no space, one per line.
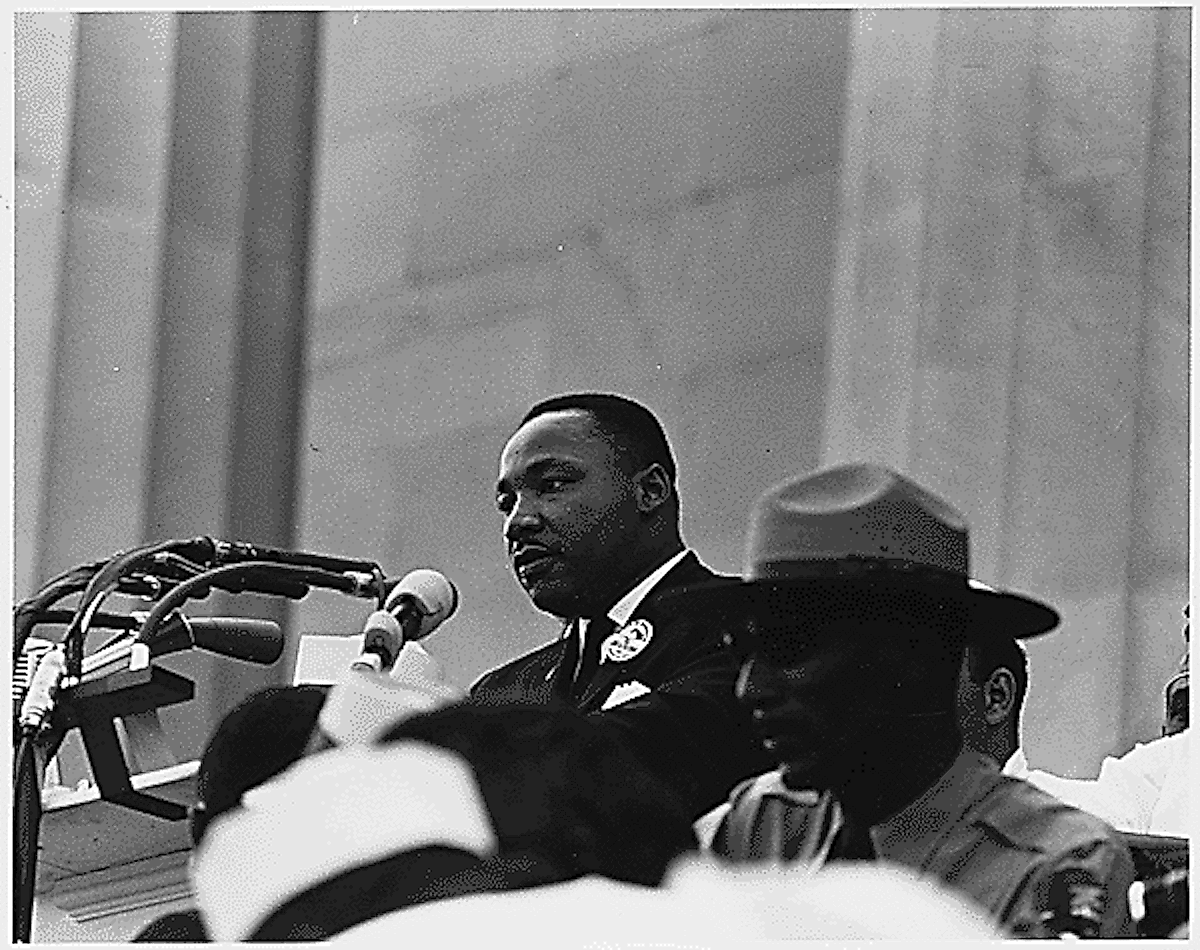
587,488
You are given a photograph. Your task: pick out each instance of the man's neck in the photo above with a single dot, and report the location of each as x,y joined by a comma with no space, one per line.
921,758
649,565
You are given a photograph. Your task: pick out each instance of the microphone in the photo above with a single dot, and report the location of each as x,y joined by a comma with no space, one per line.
221,553
240,638
420,603
389,681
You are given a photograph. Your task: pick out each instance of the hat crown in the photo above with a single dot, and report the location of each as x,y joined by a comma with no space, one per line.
857,511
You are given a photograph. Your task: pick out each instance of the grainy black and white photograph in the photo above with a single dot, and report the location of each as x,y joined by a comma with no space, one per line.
593,477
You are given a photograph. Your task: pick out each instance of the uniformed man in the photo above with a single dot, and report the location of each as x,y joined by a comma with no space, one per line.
858,587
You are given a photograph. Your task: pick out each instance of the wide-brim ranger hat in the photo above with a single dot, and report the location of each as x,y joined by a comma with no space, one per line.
864,531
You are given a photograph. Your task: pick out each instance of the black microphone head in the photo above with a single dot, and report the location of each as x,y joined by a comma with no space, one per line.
242,638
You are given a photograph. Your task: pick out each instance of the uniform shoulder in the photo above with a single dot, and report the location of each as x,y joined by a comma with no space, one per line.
1034,820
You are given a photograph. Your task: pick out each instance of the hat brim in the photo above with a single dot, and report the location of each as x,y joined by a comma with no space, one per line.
989,612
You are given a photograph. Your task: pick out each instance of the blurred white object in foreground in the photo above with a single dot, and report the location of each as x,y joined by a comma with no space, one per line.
329,813
363,705
701,904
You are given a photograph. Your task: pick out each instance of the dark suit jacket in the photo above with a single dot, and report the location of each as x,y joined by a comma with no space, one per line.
689,729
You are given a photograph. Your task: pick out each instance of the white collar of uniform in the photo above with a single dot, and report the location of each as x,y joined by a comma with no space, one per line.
326,814
623,609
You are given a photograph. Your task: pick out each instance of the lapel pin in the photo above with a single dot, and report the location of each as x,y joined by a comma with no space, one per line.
628,642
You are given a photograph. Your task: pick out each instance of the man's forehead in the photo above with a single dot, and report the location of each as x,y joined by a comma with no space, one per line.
566,434
814,639
561,423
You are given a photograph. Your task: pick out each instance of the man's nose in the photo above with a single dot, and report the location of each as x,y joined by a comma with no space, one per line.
522,520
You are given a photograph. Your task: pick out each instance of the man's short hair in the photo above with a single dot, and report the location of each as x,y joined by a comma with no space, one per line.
259,738
985,655
632,428
562,787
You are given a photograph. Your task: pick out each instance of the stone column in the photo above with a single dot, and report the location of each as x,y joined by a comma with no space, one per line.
195,364
96,444
987,330
230,368
1070,515
1157,566
875,318
271,312
44,55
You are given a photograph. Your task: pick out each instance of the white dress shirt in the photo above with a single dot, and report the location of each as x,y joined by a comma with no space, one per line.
1145,790
623,609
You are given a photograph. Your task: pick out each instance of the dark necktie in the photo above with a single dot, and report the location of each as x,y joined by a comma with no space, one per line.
597,631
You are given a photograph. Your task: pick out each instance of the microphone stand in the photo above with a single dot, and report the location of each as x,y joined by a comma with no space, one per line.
93,705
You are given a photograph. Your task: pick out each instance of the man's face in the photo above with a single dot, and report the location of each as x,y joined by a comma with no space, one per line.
812,710
830,709
570,514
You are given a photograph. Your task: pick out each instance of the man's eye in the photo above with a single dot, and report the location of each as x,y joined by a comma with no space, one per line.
555,484
504,503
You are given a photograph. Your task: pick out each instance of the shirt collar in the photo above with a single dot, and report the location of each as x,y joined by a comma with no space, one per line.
623,609
909,836
1016,766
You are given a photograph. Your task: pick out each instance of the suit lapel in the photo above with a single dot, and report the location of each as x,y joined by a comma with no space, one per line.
606,676
688,571
562,668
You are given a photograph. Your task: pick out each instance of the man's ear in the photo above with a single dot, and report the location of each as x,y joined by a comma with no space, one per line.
652,488
999,696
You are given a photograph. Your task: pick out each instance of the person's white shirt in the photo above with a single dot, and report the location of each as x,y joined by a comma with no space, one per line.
1146,790
620,612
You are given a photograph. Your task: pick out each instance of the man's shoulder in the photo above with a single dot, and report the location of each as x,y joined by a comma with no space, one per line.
698,621
1034,838
689,572
536,661
1034,820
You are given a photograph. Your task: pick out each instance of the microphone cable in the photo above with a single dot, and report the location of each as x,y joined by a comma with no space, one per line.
295,583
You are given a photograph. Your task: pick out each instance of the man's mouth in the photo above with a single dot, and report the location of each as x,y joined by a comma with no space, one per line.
531,560
781,734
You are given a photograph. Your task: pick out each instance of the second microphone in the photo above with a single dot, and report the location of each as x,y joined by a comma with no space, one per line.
418,605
